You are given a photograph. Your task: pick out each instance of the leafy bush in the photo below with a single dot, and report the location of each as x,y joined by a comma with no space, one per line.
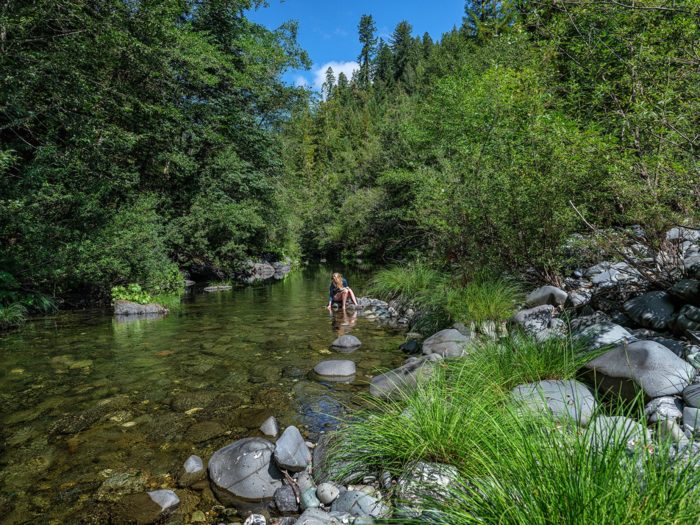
16,302
131,292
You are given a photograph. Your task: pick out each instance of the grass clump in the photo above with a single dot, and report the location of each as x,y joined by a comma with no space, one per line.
12,315
516,467
443,299
17,303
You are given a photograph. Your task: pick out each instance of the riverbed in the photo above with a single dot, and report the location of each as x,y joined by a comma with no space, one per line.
86,398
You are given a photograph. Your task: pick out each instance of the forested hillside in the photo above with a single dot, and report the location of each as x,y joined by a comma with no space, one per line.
490,147
140,139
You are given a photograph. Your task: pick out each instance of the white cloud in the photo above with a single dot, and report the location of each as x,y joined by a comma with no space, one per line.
338,67
301,81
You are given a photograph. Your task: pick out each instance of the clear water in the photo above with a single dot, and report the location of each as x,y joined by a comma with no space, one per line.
84,397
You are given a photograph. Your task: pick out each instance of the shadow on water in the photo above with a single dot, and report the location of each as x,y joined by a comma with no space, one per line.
84,395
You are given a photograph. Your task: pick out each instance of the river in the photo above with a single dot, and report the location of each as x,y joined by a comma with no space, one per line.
85,398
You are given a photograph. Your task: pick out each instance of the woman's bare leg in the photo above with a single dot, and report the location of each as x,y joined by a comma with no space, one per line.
345,298
352,296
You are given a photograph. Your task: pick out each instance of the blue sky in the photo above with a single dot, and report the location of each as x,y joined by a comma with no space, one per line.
328,29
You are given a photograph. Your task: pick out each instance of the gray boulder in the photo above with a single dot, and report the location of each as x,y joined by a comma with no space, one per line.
447,343
604,334
336,368
130,308
563,399
646,364
663,408
612,431
652,310
346,343
291,452
691,418
691,395
546,295
244,471
286,499
424,482
534,320
402,379
358,503
687,290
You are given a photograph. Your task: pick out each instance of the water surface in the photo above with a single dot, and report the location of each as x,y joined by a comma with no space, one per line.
85,398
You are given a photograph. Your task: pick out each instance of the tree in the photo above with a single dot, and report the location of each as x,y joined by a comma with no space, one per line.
368,40
405,54
384,65
329,84
484,19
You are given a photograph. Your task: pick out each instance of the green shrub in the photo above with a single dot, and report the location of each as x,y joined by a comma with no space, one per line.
406,283
12,315
131,292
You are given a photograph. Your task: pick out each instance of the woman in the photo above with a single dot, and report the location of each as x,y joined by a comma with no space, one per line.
339,291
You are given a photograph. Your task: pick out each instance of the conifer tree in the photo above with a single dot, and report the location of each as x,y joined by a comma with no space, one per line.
484,19
329,84
368,40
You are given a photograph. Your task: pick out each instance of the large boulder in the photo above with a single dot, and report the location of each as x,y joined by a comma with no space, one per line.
244,471
291,452
346,343
546,295
604,334
421,483
644,364
358,503
447,343
341,368
652,310
131,308
563,399
402,379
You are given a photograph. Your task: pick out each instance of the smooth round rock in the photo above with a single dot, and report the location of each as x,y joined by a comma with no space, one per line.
336,368
563,399
346,343
327,493
244,470
651,310
651,366
270,427
447,343
291,452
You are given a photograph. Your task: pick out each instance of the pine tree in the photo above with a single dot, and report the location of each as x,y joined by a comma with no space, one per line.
368,40
427,45
405,54
484,19
383,70
328,85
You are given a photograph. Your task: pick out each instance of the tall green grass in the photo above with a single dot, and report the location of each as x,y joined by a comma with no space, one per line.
443,299
516,467
12,315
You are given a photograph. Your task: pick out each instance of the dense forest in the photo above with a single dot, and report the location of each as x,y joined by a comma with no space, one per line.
142,139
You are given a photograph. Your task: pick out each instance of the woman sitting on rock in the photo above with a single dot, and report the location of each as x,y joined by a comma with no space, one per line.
339,291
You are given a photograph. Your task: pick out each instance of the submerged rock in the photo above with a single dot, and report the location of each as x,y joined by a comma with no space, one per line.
146,508
649,365
563,399
192,471
346,343
243,470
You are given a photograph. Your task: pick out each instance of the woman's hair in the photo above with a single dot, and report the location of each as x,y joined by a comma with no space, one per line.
338,280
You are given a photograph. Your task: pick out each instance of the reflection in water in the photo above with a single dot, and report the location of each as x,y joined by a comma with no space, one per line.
343,321
85,397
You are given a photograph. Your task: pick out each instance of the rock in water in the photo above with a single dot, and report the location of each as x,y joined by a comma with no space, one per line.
402,379
192,471
243,471
291,452
649,365
447,343
148,508
130,308
546,295
335,368
270,427
346,343
563,399
651,310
